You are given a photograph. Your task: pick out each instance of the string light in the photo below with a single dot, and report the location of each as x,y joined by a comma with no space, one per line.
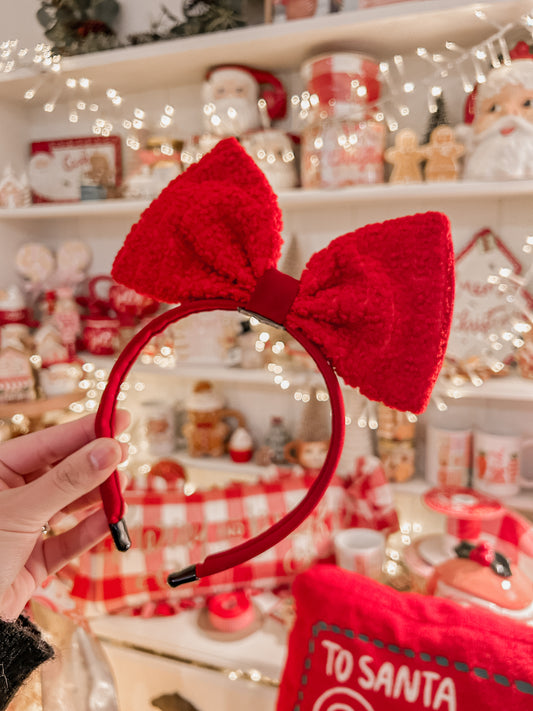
468,64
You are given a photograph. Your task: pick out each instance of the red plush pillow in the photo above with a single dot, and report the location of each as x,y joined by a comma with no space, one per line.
358,645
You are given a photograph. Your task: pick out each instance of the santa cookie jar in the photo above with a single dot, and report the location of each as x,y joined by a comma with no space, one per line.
499,141
483,577
238,99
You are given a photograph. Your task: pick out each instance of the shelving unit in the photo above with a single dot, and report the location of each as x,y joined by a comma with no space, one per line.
178,66
500,388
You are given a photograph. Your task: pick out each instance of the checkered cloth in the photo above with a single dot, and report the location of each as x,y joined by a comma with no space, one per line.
170,530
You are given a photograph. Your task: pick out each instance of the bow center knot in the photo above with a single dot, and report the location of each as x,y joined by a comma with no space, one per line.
273,297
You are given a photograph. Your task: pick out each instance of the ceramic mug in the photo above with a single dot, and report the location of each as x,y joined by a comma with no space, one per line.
105,294
101,335
361,550
448,456
497,463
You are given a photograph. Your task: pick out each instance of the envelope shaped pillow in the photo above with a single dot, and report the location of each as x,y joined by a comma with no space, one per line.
358,645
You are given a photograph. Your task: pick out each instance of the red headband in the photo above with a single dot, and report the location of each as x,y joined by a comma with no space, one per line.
375,305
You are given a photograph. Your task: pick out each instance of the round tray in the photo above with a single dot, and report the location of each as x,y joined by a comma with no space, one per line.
463,503
207,628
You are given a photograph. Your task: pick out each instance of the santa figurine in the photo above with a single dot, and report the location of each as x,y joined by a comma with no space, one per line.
499,140
238,99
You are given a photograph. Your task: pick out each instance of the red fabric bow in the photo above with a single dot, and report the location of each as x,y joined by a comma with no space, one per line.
377,301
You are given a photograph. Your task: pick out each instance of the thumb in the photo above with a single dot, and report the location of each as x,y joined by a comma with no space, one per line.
71,478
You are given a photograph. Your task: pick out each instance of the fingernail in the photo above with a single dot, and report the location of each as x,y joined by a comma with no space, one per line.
103,455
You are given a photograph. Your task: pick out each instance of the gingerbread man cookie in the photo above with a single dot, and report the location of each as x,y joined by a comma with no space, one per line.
406,156
442,154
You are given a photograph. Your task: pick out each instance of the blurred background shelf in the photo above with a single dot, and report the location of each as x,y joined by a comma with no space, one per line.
184,61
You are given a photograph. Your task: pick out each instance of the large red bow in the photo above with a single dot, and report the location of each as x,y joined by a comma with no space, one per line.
377,301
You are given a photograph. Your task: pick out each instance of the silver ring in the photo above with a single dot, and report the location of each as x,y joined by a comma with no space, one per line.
45,530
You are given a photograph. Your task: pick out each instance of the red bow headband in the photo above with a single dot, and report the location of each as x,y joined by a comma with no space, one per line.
375,305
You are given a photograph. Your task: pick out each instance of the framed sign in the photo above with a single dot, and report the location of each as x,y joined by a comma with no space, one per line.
482,313
58,168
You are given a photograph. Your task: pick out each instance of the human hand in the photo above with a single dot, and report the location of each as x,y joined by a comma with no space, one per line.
43,474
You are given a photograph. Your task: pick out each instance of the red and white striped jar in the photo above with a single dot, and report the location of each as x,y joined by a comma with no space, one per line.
340,83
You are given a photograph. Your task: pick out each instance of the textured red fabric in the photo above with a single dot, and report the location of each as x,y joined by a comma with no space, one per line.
377,301
210,234
359,645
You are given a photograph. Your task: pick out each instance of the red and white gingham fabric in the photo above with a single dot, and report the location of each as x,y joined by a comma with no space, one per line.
370,495
170,530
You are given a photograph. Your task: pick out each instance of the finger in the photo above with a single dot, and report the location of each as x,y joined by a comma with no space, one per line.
35,503
37,450
94,497
59,550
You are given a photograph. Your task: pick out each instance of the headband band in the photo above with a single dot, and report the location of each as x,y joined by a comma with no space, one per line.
110,491
374,306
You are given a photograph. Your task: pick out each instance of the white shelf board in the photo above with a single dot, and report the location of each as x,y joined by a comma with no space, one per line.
508,387
505,388
220,373
282,45
297,199
83,208
415,192
222,464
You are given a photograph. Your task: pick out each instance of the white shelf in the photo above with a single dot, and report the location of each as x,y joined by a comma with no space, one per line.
298,198
220,373
224,464
505,388
510,387
170,63
83,208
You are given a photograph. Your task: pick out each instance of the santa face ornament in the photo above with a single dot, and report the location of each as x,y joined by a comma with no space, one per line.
501,140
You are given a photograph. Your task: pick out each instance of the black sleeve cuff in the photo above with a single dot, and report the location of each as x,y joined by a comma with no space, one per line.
22,649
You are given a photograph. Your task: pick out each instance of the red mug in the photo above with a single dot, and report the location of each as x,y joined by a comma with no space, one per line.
126,303
101,335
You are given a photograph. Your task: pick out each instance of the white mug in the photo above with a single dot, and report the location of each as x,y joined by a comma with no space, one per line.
361,550
448,456
497,461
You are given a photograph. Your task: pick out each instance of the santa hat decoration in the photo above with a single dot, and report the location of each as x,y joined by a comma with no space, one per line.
374,306
270,87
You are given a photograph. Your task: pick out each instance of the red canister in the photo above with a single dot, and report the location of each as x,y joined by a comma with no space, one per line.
342,82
